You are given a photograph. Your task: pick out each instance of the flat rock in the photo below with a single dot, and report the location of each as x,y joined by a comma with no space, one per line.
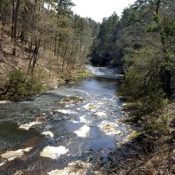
53,152
100,114
90,107
109,128
74,168
27,126
64,111
11,155
83,131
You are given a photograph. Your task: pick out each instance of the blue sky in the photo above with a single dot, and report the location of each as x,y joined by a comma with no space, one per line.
97,9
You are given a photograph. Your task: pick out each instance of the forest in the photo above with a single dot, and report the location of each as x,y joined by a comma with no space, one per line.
83,97
142,45
41,38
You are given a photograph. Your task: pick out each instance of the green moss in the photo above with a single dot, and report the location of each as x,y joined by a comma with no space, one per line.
92,107
84,74
129,106
71,99
133,135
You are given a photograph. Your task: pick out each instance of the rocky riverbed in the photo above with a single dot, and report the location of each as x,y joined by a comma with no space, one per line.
69,130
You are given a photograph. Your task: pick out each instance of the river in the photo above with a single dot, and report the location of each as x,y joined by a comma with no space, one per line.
67,130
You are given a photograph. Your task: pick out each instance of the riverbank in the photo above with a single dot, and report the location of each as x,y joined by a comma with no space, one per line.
80,128
150,152
18,85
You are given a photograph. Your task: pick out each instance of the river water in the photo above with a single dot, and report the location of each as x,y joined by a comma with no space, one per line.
68,130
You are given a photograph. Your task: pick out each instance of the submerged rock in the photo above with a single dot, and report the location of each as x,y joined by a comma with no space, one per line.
11,155
74,168
90,107
109,128
83,131
53,152
71,100
64,111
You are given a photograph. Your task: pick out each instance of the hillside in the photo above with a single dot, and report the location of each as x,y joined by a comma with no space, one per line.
46,43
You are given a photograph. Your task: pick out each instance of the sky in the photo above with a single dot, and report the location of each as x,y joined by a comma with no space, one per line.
98,9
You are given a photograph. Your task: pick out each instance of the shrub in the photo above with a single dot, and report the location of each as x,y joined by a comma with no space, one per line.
20,85
143,84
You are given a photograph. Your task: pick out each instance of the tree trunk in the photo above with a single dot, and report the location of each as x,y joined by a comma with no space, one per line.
64,56
33,59
14,23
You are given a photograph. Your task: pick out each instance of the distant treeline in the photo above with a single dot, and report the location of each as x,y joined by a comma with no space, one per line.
142,42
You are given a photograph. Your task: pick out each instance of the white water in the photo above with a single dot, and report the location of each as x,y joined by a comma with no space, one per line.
70,135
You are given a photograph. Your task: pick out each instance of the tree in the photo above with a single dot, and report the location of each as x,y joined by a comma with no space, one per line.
100,54
47,28
15,9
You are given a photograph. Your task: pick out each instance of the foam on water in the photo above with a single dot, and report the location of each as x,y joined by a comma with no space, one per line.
48,133
95,71
27,126
68,132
